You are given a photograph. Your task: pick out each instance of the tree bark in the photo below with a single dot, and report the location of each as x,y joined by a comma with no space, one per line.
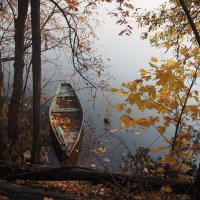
36,65
15,101
3,138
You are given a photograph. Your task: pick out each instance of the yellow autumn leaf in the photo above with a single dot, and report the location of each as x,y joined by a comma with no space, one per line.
131,99
196,51
153,66
136,99
129,111
183,177
160,170
161,109
163,77
167,44
147,78
95,151
185,167
184,51
167,189
138,197
73,4
174,104
120,91
103,149
153,120
170,159
175,167
151,91
143,122
185,142
153,59
196,92
184,154
137,81
119,107
150,104
195,147
151,163
185,135
143,72
161,129
152,171
126,121
189,156
158,148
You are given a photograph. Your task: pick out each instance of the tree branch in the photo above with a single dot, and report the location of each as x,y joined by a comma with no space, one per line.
190,20
183,109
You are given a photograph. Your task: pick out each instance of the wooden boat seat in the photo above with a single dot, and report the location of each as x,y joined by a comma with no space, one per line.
65,95
61,110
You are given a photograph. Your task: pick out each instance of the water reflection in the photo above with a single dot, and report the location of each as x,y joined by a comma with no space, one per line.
118,141
105,145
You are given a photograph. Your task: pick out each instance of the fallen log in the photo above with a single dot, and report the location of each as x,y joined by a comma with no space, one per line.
85,174
23,165
15,191
8,167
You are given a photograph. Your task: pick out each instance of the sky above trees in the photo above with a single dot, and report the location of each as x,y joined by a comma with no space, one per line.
127,53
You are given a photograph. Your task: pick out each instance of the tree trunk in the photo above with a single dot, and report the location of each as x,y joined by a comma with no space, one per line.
15,101
36,65
3,140
196,192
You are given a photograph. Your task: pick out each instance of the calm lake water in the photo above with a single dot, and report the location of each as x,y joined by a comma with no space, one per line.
125,56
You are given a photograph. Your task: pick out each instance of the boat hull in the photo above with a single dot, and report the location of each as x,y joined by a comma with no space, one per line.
66,117
61,154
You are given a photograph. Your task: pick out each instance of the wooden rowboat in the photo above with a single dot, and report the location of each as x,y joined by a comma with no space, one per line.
66,117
